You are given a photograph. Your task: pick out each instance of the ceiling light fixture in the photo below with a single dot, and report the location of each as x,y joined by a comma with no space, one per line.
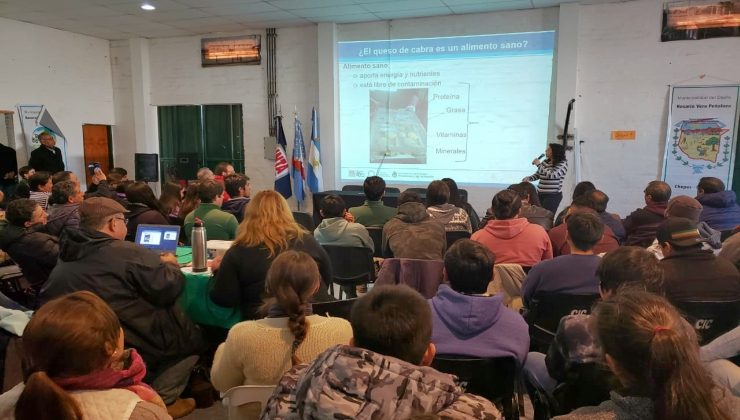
147,6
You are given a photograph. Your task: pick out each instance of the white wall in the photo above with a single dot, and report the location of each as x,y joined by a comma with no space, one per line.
69,73
177,78
623,76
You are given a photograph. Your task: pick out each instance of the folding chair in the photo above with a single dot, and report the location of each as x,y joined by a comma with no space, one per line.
351,266
494,379
239,396
710,318
454,236
305,220
376,234
338,308
545,312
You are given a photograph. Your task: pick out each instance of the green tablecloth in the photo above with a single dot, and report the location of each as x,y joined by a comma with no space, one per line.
195,300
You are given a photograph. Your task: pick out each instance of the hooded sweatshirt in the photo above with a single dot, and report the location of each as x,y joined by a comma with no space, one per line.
412,233
352,383
720,211
337,231
477,326
452,218
515,241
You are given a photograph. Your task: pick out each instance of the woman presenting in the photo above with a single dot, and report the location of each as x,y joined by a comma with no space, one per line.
550,173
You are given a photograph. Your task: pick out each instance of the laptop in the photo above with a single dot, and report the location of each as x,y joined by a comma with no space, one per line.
159,238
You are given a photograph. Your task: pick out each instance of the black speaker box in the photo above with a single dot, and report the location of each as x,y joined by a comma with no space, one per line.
146,167
187,166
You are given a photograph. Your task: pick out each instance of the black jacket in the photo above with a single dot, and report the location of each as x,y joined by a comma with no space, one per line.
141,289
699,275
43,159
8,163
140,214
61,217
240,281
34,251
235,206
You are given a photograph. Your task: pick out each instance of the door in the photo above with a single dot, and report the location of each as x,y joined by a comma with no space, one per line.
96,141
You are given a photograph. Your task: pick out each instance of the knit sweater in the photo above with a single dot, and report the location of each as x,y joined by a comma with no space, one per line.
258,352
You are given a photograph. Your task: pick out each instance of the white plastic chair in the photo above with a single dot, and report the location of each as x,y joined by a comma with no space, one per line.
245,394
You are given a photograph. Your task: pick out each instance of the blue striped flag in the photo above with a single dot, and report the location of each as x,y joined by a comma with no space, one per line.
299,171
315,173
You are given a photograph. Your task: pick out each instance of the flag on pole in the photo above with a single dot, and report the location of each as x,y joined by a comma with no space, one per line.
282,172
315,174
299,172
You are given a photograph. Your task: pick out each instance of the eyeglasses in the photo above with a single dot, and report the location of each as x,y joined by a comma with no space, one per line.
125,221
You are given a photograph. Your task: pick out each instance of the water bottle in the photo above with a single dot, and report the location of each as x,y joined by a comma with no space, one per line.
198,241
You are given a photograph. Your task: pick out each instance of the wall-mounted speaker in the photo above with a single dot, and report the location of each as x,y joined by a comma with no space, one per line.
146,167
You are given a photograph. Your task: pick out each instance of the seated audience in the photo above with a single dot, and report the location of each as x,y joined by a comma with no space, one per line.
599,201
720,209
336,230
65,213
107,186
533,213
76,367
452,218
412,233
141,287
120,171
190,200
260,352
693,273
574,273
220,172
654,355
581,189
373,212
205,174
143,209
465,320
641,224
715,355
685,206
628,267
218,223
25,241
559,234
511,238
64,176
267,230
171,200
731,250
383,374
239,190
40,185
23,190
457,200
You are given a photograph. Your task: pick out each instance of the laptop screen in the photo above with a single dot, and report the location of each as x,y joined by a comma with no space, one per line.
162,238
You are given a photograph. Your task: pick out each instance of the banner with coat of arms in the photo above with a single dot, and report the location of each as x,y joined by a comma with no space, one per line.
702,136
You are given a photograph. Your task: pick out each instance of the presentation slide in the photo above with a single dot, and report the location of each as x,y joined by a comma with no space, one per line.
473,108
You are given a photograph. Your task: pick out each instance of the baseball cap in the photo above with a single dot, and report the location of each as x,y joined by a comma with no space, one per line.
684,206
679,231
100,208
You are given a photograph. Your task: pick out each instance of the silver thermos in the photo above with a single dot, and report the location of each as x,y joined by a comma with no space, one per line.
198,241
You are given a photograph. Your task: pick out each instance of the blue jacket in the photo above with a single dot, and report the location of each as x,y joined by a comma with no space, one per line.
720,211
477,326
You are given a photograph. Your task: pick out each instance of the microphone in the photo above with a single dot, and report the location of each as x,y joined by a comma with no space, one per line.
540,156
377,173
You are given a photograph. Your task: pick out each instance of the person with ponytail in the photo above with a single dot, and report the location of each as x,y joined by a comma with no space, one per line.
654,354
511,238
75,367
260,352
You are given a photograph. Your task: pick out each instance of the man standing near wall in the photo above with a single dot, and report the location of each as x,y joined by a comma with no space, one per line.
47,157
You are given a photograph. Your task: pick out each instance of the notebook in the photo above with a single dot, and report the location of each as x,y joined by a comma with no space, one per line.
160,238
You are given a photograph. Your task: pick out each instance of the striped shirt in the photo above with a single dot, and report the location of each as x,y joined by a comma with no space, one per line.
550,176
42,198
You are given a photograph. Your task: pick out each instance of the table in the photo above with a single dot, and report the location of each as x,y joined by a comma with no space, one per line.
195,299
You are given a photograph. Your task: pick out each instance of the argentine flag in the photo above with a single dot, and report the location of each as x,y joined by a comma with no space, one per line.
315,178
